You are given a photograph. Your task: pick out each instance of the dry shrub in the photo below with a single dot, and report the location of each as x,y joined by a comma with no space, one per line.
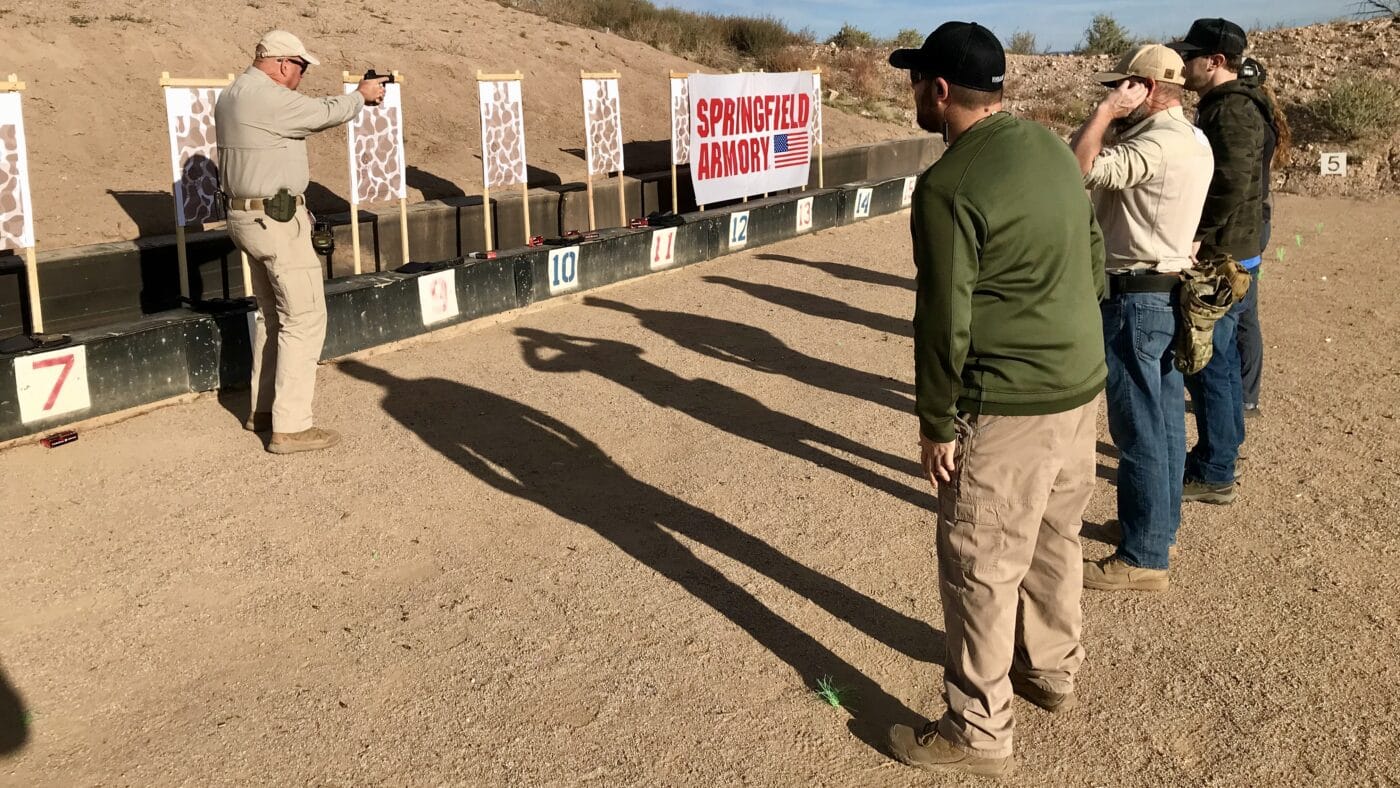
1358,106
786,59
1063,116
1023,43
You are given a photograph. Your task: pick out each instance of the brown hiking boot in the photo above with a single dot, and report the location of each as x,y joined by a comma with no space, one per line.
1036,695
258,421
1115,574
1196,491
306,440
934,753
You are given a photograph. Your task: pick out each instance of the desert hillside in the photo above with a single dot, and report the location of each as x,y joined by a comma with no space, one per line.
1306,67
96,119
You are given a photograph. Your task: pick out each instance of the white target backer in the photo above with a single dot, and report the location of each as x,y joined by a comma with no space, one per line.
16,209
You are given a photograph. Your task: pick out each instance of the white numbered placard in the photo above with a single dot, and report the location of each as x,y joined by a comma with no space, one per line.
863,203
437,296
908,191
804,214
52,384
663,248
738,230
1334,164
563,270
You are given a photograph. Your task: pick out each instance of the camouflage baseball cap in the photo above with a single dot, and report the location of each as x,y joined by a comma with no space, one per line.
280,43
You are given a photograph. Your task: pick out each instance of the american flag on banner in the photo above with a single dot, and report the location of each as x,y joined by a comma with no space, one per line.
790,149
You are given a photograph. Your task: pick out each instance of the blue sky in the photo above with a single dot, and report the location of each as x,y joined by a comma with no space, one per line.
1058,24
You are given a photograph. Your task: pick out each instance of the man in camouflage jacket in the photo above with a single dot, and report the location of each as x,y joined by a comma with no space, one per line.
1229,115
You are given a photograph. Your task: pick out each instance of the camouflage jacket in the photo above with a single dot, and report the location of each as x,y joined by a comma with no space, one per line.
1232,117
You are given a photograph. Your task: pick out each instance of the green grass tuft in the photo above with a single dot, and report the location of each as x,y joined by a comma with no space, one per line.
832,695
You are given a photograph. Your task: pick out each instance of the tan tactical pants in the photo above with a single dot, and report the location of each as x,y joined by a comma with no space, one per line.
1010,566
291,294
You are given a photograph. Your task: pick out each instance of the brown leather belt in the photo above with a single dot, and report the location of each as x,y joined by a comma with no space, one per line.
255,203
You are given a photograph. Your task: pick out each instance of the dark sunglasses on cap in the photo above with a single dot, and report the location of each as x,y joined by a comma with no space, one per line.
301,64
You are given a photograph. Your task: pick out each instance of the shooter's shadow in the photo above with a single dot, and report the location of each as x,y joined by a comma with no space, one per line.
757,349
819,306
851,273
535,457
720,407
14,722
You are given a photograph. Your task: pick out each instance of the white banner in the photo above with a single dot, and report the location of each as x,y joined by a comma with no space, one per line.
502,134
680,121
602,125
378,172
194,154
750,134
16,211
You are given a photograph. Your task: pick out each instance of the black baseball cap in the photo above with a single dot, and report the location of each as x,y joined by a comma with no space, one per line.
1212,37
964,53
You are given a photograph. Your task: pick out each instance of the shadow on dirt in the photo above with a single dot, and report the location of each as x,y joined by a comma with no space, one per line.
818,306
851,273
722,408
14,720
529,454
758,350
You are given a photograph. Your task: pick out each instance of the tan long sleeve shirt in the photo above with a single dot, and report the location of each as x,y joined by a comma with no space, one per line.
1148,193
262,129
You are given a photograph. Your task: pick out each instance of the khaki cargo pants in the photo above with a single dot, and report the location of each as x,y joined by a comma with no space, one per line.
291,294
1010,565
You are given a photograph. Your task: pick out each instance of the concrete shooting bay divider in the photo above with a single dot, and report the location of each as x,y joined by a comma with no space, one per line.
155,357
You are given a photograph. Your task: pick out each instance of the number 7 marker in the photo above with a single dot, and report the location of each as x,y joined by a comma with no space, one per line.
52,384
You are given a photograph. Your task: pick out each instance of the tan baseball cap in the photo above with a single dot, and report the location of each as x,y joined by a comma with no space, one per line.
280,43
1149,61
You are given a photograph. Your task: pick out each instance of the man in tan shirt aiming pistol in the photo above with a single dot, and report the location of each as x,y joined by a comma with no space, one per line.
262,123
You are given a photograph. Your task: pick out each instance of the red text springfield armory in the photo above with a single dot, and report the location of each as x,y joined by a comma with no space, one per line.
752,115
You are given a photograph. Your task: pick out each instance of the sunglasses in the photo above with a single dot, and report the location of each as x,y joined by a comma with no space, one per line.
301,64
915,77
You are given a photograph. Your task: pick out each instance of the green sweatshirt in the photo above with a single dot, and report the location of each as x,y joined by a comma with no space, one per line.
1010,268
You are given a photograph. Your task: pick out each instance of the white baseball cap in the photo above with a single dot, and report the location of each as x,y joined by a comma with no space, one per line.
280,43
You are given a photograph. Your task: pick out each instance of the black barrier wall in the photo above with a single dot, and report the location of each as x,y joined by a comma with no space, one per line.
93,286
161,356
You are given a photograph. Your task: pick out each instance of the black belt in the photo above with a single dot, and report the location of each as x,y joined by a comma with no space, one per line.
1141,283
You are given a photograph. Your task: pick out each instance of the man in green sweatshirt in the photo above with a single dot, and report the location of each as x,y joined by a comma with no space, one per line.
1009,364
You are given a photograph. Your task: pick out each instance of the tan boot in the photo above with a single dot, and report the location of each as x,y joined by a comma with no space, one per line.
934,753
258,421
1053,702
1115,574
306,440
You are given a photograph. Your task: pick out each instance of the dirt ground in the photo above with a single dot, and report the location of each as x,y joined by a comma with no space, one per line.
95,115
615,541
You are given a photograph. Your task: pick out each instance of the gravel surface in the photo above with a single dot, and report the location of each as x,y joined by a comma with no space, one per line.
615,540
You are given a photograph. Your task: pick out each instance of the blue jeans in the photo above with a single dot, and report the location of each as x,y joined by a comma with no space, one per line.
1250,342
1217,397
1147,420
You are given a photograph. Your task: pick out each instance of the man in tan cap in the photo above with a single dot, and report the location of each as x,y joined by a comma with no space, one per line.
1148,190
262,124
